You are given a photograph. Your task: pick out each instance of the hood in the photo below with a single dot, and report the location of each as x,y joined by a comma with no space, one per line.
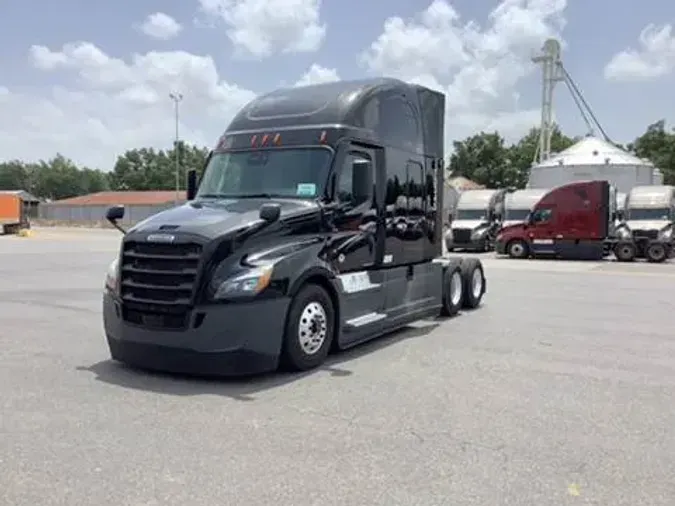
213,218
647,224
472,224
515,227
508,223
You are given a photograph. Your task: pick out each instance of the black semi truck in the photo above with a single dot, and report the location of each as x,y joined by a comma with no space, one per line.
316,226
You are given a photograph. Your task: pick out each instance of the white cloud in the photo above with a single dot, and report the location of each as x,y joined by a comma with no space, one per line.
316,74
115,105
477,67
655,57
160,26
260,28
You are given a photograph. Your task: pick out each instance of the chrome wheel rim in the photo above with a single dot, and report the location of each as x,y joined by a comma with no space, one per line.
517,249
455,288
477,283
312,328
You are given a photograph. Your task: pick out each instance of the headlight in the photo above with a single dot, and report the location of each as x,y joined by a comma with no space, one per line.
247,284
623,233
111,275
667,234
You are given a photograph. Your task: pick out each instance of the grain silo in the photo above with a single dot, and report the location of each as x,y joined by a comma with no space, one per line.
593,158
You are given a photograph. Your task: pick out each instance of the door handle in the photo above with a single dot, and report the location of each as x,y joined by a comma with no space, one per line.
559,236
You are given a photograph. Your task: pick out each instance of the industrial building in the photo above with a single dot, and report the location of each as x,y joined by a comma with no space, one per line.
90,209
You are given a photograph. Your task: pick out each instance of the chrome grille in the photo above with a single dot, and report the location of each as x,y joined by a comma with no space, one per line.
649,234
461,235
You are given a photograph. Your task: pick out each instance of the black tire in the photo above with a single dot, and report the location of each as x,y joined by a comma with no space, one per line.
452,299
305,310
517,248
473,279
625,251
656,252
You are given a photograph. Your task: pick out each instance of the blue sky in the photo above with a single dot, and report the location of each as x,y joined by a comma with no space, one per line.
61,103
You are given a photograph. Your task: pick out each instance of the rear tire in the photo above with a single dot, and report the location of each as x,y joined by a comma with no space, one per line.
473,278
517,249
310,327
625,251
656,252
453,290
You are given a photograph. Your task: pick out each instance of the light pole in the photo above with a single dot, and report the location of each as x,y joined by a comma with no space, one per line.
176,97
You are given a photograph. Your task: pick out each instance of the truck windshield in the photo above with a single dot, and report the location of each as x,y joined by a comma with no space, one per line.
471,214
649,214
279,172
517,214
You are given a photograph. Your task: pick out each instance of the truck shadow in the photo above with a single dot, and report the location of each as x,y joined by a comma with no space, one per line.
243,388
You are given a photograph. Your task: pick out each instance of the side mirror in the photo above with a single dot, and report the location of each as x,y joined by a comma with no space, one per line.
191,184
270,212
113,214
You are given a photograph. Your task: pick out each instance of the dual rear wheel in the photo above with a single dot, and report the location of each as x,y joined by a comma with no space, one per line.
463,286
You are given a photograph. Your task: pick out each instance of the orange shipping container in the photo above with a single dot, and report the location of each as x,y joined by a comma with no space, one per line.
10,208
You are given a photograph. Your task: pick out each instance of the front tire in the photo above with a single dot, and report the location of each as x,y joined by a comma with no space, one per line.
517,249
625,251
309,331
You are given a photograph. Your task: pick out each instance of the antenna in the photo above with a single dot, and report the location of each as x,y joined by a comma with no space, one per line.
552,73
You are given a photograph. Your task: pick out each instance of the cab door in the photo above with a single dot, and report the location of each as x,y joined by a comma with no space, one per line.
357,241
541,231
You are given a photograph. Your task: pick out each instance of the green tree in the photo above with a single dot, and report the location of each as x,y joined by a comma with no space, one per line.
657,145
484,158
149,169
522,154
14,175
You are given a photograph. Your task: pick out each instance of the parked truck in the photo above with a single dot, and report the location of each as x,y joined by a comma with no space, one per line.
576,221
13,213
317,225
518,205
649,214
476,221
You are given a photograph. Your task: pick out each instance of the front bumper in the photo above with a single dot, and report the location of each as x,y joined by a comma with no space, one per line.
221,340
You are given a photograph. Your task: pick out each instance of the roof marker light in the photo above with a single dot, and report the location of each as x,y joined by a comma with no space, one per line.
324,137
253,140
277,140
265,138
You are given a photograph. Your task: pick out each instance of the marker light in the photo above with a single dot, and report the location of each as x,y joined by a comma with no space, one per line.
253,140
265,138
324,137
277,140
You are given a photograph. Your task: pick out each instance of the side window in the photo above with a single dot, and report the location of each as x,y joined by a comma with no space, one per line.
415,187
542,215
397,177
355,183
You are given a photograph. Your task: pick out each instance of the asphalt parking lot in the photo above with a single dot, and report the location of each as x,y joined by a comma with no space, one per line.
559,390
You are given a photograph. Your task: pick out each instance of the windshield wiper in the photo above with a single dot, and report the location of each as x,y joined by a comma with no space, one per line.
240,195
260,195
217,196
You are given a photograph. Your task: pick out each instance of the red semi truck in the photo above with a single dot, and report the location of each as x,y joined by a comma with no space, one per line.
576,221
